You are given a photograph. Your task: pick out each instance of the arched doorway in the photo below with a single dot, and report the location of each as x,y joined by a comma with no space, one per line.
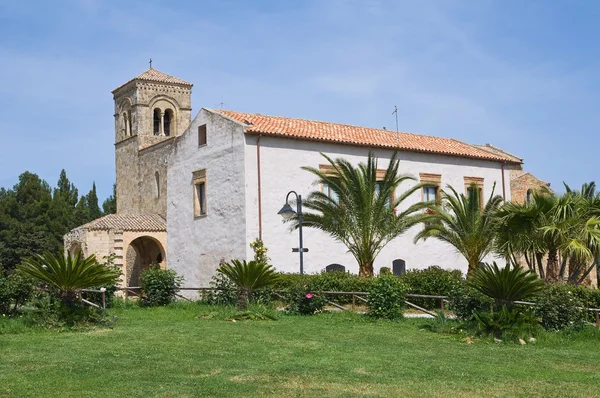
75,248
142,253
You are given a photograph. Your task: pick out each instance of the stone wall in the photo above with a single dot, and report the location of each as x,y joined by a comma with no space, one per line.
141,156
522,183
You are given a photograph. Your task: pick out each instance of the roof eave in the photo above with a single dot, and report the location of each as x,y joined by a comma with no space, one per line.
279,135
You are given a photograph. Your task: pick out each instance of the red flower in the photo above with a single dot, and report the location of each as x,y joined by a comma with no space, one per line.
308,296
429,211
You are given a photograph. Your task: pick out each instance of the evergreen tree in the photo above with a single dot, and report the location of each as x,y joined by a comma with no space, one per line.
25,220
92,203
110,204
62,208
81,215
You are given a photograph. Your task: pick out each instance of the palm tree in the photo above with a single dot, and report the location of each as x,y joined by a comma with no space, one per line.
520,233
565,229
68,274
506,285
361,210
248,277
578,222
462,223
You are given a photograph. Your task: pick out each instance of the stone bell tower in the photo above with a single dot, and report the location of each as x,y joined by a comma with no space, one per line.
150,110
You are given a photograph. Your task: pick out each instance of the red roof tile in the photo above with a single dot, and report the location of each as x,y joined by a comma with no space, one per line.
154,75
355,135
128,222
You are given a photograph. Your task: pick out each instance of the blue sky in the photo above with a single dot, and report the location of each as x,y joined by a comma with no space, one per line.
522,75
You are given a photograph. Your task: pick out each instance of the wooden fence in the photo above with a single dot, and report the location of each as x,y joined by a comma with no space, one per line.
360,296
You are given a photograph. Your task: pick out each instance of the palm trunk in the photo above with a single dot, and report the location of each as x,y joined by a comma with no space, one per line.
552,266
243,298
472,267
365,270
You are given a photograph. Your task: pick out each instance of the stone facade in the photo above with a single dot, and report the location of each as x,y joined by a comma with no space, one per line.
521,183
143,138
136,242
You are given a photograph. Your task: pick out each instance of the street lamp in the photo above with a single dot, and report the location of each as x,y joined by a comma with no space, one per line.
287,213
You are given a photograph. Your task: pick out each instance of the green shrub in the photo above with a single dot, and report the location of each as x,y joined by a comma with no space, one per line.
433,281
159,286
558,309
249,277
224,293
303,301
465,301
505,285
326,281
15,290
590,298
48,311
386,297
385,271
509,323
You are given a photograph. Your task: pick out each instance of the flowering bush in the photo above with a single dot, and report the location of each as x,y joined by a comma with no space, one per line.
304,302
558,308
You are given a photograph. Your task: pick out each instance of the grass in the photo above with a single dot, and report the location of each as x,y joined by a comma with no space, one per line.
175,352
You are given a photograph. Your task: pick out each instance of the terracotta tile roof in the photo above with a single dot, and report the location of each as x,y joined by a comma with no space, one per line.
154,75
355,135
500,152
128,222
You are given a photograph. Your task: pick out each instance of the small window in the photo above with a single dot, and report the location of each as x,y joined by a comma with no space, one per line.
167,118
430,193
129,123
200,205
202,135
378,188
156,121
125,131
157,182
529,194
479,194
330,192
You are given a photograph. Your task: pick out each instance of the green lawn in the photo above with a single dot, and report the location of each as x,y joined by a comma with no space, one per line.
171,352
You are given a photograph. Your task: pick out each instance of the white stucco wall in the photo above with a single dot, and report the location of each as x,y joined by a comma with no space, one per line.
281,160
197,244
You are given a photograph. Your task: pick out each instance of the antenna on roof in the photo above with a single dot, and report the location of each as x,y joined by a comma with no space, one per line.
396,113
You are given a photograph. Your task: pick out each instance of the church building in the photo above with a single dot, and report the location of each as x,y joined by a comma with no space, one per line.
191,193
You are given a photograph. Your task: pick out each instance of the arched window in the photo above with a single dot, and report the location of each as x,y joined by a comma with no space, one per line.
528,198
157,121
129,122
124,117
167,122
157,180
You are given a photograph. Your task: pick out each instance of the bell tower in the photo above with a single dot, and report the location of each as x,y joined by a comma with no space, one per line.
150,110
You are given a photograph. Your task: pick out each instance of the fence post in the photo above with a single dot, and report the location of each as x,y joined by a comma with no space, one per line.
103,299
354,303
442,306
598,319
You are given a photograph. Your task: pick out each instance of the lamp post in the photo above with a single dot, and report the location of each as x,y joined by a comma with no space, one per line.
287,213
